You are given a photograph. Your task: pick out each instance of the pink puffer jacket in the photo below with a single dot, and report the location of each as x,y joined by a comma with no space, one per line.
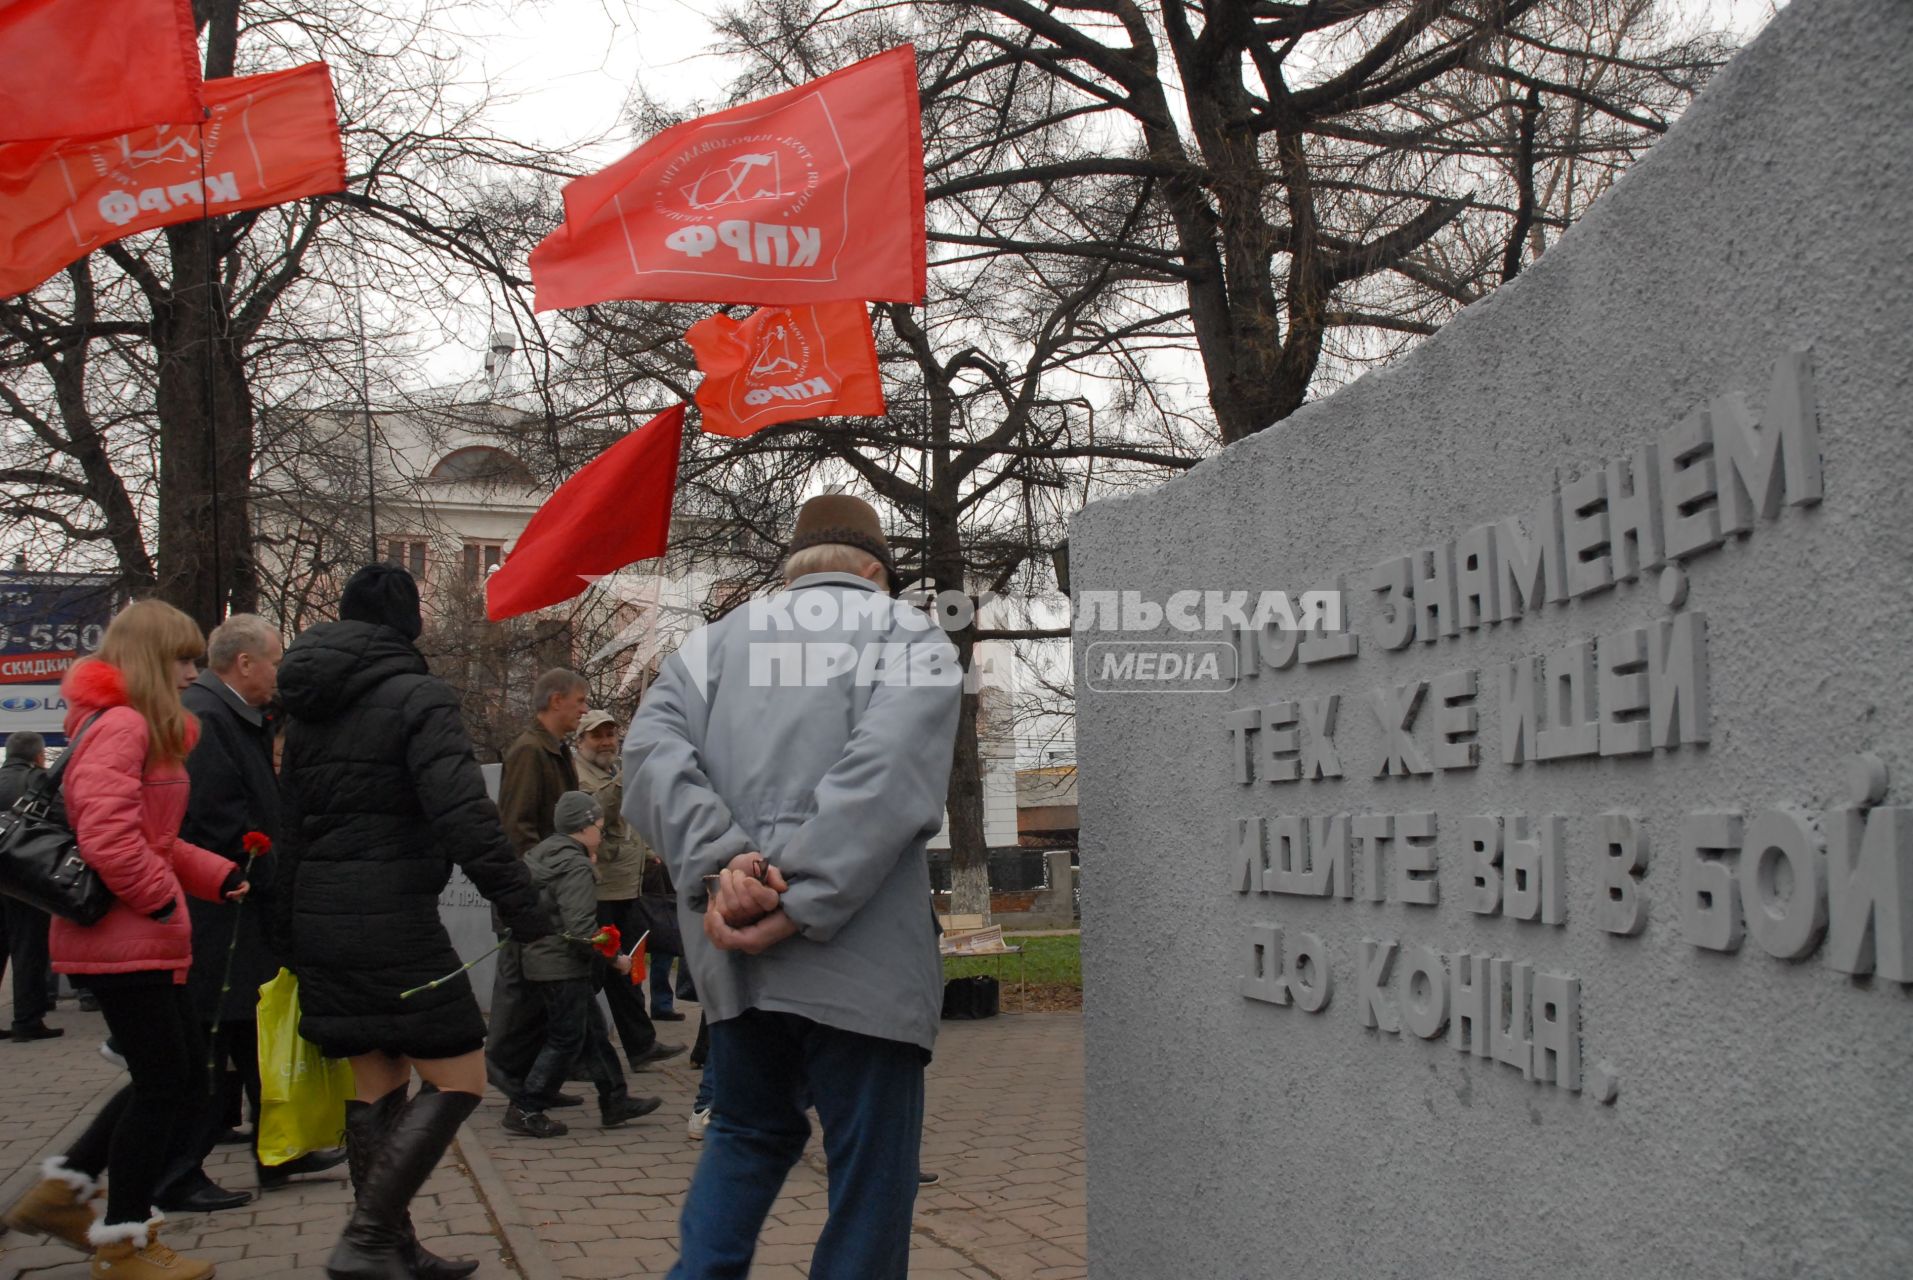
126,815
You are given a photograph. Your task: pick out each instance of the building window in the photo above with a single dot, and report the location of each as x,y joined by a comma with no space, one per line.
483,465
482,557
409,556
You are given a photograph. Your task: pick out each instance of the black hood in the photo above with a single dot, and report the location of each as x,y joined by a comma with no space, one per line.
332,666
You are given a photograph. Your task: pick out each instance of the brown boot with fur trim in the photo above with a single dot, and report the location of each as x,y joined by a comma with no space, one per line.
59,1205
132,1251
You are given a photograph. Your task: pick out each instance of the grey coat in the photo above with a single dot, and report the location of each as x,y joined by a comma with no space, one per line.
568,890
838,779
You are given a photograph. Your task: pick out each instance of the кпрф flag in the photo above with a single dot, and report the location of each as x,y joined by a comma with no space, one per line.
615,511
782,363
270,138
812,195
77,68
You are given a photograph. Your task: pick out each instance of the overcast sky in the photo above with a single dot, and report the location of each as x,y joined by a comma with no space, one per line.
567,66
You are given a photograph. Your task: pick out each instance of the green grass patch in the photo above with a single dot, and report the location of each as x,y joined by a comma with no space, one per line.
1048,961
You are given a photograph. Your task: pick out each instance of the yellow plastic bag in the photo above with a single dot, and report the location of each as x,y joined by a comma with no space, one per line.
302,1093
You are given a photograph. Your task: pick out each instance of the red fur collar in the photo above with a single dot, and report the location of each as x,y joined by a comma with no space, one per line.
92,685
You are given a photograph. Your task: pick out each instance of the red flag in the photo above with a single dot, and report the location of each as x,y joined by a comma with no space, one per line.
74,68
782,363
271,138
640,969
614,511
812,195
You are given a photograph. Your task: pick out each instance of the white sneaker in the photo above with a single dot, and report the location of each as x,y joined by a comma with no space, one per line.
694,1127
112,1055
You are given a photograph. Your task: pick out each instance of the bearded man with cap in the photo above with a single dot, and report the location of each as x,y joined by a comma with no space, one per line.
621,868
381,795
791,764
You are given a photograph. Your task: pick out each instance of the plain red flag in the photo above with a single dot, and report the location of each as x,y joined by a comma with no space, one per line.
639,968
812,195
615,511
76,68
271,138
781,363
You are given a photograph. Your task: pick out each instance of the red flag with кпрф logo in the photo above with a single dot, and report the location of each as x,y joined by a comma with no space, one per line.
269,138
782,363
811,195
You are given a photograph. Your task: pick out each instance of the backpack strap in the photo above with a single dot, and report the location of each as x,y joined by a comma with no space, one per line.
53,775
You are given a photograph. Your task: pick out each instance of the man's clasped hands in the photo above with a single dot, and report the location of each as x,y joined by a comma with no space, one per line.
746,912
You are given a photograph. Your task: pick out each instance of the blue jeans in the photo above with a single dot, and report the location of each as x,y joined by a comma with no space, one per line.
662,999
869,1097
706,1088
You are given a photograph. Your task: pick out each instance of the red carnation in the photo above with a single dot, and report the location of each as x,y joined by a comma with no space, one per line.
608,942
257,844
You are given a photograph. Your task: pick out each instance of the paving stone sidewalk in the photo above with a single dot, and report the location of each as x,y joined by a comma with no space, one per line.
1004,1128
48,1088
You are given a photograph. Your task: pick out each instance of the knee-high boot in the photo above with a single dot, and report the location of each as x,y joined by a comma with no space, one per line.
366,1124
425,1264
389,1163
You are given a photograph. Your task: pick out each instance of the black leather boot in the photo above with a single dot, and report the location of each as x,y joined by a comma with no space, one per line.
378,1243
365,1127
366,1124
425,1264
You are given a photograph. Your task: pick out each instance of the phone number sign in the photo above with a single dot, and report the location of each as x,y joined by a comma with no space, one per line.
48,621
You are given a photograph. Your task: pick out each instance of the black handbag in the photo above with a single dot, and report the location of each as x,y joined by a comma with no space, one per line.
660,916
40,862
975,997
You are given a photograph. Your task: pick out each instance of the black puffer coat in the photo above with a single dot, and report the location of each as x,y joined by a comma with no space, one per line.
381,796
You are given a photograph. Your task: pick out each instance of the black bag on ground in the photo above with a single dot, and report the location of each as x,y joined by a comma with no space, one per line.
40,862
970,997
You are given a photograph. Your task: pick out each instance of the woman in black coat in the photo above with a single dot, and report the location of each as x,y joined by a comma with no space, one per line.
381,795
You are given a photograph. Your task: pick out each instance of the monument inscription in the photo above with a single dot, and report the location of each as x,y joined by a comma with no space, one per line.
1772,875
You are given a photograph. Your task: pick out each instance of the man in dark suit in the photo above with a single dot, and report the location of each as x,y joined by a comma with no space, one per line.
25,937
234,791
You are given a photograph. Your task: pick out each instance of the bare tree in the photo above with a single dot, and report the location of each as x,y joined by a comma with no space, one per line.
1311,159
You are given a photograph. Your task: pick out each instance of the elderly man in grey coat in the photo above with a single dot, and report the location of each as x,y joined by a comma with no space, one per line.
790,764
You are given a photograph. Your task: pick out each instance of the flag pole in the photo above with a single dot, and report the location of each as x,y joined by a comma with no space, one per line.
212,406
365,404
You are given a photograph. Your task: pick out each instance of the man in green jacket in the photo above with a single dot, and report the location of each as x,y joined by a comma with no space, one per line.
559,971
538,769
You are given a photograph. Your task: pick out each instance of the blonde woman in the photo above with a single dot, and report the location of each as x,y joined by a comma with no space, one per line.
125,791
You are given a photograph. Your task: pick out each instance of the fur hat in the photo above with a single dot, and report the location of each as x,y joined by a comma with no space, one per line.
386,594
575,812
839,517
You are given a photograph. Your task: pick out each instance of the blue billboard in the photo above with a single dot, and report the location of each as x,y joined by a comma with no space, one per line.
48,621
